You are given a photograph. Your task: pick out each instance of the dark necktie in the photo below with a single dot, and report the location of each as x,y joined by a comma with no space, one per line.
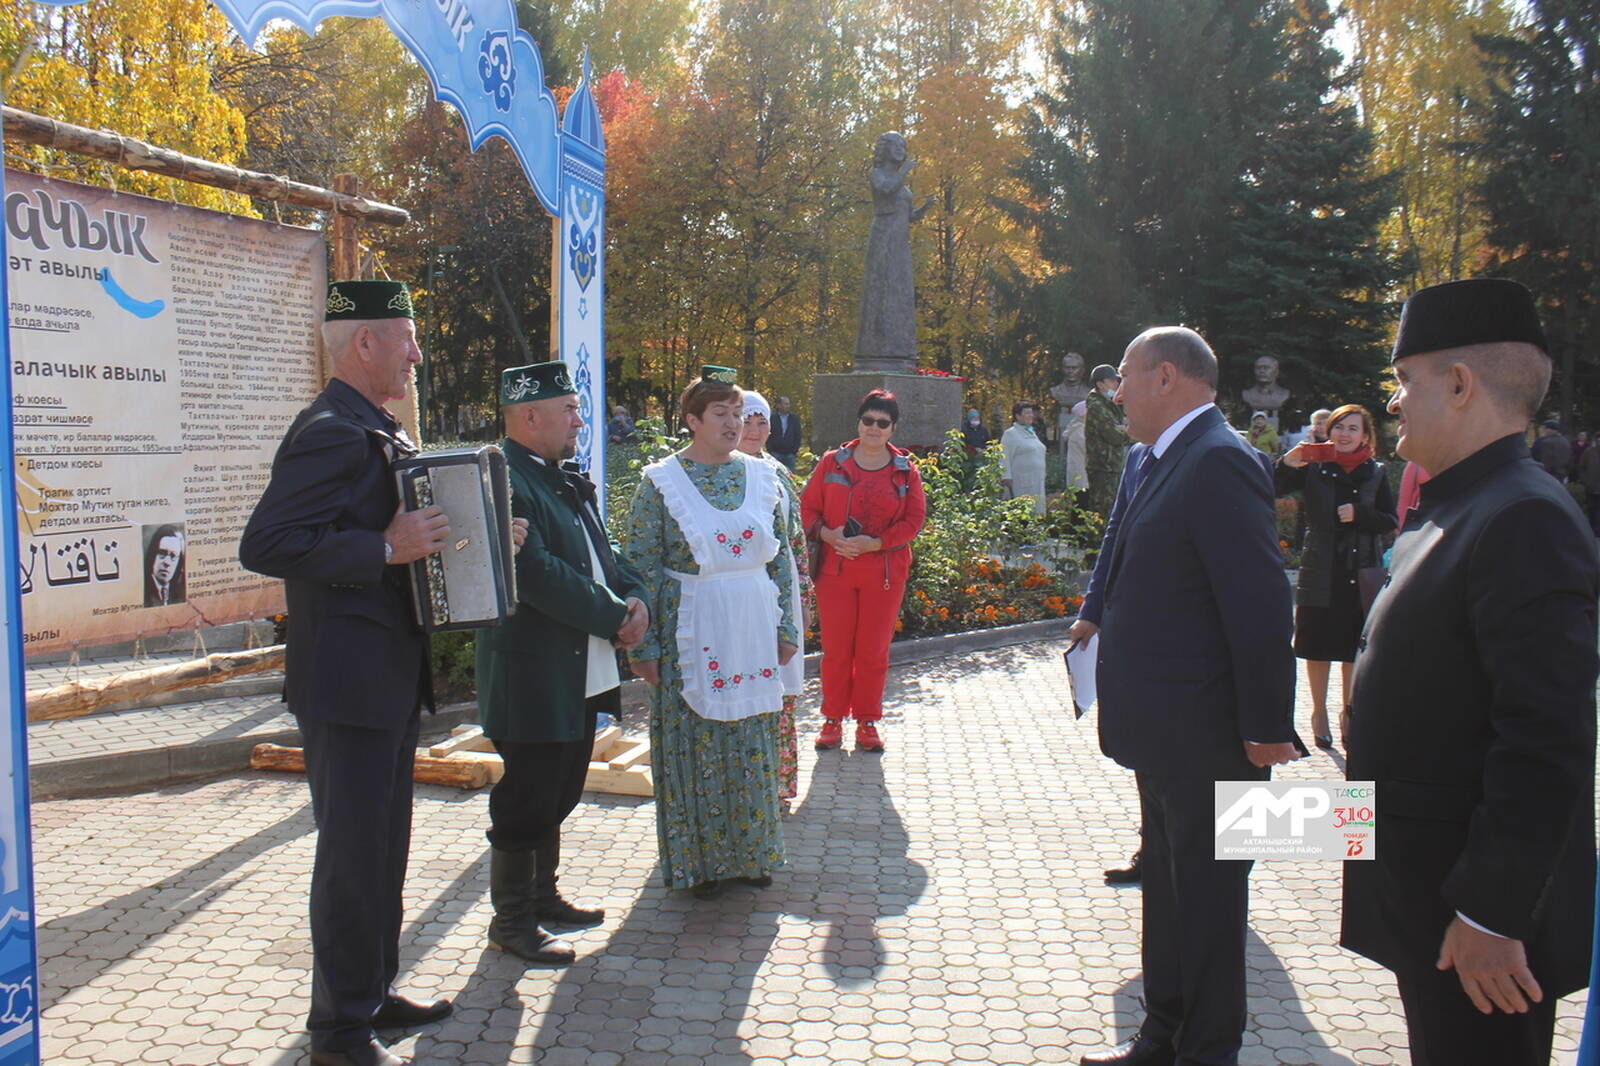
583,491
1147,463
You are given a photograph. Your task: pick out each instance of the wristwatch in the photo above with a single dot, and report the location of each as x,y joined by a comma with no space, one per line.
388,552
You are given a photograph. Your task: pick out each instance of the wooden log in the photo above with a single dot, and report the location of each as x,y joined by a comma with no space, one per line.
457,773
77,698
29,128
491,762
605,740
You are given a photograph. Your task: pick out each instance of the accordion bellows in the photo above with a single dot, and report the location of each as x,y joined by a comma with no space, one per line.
472,582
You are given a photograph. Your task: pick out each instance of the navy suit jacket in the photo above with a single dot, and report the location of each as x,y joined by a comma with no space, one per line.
1194,610
355,654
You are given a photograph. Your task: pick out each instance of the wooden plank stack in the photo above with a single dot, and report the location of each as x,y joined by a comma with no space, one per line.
467,759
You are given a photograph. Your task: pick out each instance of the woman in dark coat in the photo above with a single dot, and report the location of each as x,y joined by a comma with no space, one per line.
1349,510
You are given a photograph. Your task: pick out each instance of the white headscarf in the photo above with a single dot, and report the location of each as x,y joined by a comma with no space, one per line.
756,404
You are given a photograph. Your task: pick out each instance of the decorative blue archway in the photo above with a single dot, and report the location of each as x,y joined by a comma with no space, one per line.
481,62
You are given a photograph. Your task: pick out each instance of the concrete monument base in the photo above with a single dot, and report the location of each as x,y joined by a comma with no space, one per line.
930,407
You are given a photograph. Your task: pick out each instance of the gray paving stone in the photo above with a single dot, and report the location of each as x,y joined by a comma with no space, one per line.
943,904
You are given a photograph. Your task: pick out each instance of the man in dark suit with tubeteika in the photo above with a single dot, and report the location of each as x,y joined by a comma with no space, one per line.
357,671
1196,685
1473,704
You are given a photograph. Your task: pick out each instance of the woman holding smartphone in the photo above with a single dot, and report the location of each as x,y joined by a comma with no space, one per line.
1349,509
864,502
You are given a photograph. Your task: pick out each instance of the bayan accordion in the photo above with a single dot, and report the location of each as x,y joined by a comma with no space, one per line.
472,582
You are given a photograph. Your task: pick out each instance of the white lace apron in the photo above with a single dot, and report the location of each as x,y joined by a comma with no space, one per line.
728,613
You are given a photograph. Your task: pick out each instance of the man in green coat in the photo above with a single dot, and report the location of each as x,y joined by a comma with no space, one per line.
547,672
1105,441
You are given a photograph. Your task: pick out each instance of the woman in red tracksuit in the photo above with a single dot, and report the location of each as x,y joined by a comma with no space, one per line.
865,503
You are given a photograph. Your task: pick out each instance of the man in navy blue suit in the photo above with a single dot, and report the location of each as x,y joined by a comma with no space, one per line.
1196,682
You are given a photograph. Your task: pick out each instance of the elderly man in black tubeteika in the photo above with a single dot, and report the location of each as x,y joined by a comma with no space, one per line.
357,674
1474,700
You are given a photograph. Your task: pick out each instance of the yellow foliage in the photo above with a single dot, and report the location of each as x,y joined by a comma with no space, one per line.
142,69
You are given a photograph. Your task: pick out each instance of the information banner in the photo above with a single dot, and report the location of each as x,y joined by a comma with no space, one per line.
157,354
581,282
19,969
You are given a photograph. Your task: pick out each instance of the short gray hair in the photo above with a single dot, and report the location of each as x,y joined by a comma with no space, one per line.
337,335
1183,348
1516,374
1321,412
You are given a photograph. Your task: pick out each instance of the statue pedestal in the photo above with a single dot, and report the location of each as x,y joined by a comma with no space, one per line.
930,407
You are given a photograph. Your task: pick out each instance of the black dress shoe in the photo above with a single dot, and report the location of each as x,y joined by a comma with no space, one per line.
1136,1052
1130,874
371,1053
403,1012
557,911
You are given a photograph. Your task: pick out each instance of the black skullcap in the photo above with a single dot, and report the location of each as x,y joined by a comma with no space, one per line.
1459,313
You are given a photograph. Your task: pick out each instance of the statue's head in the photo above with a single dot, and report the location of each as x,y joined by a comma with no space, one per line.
1267,370
891,148
1072,367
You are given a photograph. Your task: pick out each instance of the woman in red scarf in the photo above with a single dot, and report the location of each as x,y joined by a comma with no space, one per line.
865,503
1349,510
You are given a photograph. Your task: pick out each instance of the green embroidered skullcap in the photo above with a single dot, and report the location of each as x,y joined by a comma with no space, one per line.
536,381
722,375
368,299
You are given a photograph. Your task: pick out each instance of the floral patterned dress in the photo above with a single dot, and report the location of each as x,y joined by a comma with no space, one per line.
716,783
788,741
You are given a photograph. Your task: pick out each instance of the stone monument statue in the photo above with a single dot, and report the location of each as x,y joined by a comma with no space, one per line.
1266,394
1068,393
886,338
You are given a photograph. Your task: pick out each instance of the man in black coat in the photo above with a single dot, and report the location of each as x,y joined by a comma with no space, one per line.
784,444
357,672
1474,700
1196,683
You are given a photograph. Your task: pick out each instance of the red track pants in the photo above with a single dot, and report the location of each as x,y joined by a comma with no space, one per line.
857,616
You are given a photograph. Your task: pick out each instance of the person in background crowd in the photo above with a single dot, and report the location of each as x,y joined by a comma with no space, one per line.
1105,441
1589,475
1412,478
1580,444
1196,682
1039,428
757,427
620,430
1474,701
330,524
786,436
1317,432
1349,511
974,436
1077,472
548,672
866,503
1022,456
1552,451
705,533
1262,437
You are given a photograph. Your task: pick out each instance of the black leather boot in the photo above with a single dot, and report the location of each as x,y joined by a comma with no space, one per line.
515,927
548,904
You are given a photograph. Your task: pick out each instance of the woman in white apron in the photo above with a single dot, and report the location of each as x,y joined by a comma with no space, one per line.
704,532
753,442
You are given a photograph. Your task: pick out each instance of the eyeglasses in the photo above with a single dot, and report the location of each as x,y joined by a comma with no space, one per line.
881,423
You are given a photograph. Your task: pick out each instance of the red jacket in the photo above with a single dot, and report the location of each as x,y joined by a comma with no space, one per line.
826,500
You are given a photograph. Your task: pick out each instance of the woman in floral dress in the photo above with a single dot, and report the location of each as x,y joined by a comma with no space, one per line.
705,534
757,428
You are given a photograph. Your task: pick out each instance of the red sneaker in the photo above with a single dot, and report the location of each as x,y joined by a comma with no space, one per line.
832,735
867,738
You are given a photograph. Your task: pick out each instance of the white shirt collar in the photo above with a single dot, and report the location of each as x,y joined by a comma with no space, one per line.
1170,434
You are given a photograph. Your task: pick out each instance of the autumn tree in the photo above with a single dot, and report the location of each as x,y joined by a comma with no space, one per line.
1421,88
1542,167
143,70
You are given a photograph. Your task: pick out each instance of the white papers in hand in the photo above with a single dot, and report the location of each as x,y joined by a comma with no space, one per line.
1080,674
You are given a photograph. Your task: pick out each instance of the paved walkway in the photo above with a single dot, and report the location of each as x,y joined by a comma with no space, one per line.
943,904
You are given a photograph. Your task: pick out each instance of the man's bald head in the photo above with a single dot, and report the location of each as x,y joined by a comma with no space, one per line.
1181,346
1514,375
